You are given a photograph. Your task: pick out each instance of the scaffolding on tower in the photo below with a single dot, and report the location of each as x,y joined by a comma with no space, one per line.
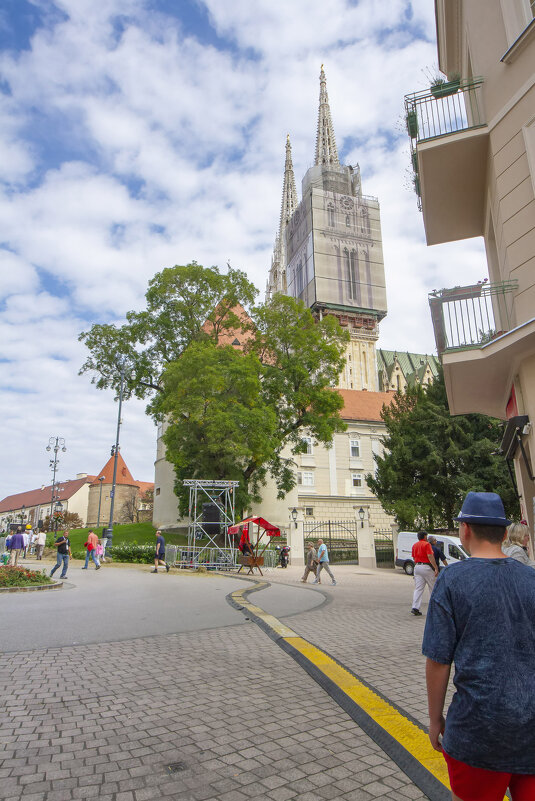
215,500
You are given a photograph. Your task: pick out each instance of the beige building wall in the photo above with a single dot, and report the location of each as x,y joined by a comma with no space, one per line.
165,512
494,39
123,493
332,481
78,503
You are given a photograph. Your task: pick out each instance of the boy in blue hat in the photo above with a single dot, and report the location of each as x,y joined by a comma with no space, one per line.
482,617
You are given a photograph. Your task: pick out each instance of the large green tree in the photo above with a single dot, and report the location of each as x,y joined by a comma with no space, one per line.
184,304
229,413
432,459
242,415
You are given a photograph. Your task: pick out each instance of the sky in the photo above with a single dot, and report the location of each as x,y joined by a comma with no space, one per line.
139,134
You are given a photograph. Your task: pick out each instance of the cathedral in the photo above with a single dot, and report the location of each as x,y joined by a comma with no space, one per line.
328,253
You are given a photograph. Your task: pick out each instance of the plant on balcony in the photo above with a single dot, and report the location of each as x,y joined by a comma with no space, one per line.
442,88
412,123
416,184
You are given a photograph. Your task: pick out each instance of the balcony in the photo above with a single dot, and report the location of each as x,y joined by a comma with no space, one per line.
467,317
449,146
480,345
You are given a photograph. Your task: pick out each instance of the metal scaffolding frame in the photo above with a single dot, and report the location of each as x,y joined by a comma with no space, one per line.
222,494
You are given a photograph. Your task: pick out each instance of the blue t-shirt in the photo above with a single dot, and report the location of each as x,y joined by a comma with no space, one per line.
323,556
482,617
160,544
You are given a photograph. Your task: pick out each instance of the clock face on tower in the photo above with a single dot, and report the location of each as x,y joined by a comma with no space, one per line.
346,203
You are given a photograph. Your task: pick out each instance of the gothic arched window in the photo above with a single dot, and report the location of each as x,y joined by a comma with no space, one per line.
352,274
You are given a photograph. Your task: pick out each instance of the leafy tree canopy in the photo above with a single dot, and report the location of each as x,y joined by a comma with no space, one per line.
432,460
184,304
229,413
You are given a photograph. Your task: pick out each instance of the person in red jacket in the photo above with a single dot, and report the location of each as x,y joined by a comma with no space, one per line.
425,570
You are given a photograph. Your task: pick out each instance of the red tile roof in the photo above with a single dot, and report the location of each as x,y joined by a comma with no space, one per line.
42,497
124,476
362,405
144,486
229,336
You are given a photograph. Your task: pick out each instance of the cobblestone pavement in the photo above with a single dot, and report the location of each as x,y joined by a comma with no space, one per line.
104,720
367,626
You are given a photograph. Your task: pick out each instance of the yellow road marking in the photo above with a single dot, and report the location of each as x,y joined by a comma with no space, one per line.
410,736
407,734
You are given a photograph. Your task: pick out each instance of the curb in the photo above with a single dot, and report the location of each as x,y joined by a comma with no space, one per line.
35,588
399,736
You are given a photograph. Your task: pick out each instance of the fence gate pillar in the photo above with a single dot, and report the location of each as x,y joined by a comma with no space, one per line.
295,538
366,541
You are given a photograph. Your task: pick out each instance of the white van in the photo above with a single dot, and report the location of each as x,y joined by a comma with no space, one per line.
452,547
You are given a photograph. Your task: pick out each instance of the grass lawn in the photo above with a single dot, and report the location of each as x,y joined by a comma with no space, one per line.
127,534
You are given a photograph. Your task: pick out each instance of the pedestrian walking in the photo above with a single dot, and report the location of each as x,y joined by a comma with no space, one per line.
438,551
33,536
482,617
16,545
425,570
311,562
91,549
323,562
40,542
26,539
63,545
159,556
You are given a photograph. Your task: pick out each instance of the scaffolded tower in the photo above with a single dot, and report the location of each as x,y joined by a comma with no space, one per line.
220,494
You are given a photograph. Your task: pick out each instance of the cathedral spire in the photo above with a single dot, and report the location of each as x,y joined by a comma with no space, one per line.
289,192
326,152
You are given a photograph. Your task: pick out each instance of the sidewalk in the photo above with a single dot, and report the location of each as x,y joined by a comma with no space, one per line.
243,720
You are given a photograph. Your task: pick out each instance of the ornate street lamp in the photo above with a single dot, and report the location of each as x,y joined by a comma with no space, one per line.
294,516
362,515
54,444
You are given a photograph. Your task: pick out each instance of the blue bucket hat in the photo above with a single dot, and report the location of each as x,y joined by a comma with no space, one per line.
484,509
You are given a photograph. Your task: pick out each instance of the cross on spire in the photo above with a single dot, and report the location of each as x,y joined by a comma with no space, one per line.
326,152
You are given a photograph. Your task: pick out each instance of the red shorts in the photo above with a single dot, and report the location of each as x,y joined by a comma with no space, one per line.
477,784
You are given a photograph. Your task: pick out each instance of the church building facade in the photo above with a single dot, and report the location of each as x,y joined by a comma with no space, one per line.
328,253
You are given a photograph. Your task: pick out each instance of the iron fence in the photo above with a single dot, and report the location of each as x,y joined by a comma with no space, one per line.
202,556
384,548
470,316
340,537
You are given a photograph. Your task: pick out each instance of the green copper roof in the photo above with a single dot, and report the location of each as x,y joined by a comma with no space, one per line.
413,365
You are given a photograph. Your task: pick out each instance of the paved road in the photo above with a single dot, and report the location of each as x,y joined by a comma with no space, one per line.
121,603
237,714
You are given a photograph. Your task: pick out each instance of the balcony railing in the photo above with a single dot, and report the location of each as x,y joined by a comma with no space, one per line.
444,109
470,316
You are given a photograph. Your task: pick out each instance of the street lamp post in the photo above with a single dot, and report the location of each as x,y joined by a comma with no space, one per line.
54,444
115,452
101,479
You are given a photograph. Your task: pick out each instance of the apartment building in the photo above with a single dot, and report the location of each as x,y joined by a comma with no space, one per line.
473,153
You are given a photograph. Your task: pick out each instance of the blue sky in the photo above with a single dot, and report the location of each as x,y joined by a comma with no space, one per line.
138,134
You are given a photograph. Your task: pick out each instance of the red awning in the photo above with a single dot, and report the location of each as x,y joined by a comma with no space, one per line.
271,531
